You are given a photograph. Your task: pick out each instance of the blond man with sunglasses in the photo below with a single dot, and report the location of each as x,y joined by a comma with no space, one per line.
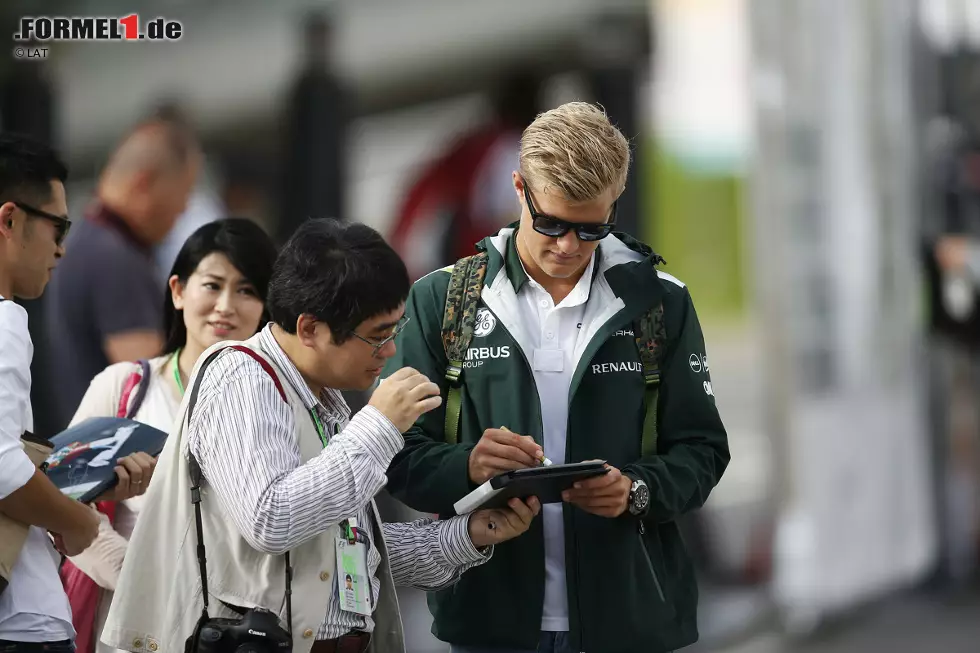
559,369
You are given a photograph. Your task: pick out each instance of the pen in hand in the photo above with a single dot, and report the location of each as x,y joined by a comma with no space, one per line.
545,462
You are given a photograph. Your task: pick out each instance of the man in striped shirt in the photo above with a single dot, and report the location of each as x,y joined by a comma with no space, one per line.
336,299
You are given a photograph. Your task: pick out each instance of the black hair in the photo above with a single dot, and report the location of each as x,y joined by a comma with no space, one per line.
341,274
27,168
247,247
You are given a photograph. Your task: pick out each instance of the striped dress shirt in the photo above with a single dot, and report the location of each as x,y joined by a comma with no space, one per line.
242,434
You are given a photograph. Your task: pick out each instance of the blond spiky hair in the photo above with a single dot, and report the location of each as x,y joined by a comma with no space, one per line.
576,150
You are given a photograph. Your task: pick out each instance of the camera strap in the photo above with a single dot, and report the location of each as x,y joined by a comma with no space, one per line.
196,476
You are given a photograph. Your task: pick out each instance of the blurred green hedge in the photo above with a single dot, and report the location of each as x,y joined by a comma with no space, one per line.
694,216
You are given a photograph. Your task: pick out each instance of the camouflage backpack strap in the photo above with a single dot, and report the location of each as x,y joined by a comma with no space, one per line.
651,337
458,323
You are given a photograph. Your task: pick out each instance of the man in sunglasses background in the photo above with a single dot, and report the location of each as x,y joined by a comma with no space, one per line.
35,615
554,358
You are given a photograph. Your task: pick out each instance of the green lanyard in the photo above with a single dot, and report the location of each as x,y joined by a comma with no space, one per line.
319,426
180,384
345,525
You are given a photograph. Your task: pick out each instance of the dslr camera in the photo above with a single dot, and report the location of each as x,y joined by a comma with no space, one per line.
256,631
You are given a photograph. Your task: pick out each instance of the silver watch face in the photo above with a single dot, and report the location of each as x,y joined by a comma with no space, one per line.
639,497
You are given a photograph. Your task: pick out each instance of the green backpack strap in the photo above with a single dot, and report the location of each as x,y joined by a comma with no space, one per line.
458,323
651,335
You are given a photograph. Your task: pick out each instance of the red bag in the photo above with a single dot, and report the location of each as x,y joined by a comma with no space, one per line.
83,592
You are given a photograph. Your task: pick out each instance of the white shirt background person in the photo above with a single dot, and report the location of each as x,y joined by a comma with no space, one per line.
34,607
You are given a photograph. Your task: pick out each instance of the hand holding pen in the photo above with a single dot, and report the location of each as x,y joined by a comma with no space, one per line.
545,462
500,450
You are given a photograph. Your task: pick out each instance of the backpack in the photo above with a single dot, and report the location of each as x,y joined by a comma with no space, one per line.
135,381
459,323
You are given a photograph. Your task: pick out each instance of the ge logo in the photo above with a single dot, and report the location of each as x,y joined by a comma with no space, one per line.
485,322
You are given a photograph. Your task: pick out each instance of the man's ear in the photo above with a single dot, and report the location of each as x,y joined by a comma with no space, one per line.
308,328
144,179
7,219
518,186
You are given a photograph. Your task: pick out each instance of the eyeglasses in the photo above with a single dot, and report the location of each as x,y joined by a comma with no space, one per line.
378,344
63,224
552,227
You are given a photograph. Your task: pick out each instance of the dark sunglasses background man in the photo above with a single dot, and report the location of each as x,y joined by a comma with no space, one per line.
34,610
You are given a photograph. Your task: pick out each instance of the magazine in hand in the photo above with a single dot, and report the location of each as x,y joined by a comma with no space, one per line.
83,462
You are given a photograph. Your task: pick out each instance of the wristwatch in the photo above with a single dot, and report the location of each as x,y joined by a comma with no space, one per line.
639,498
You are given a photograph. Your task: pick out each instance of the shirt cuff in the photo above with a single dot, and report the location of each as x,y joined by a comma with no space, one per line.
456,545
17,471
380,437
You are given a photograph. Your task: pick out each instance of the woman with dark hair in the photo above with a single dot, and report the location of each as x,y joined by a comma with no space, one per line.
216,292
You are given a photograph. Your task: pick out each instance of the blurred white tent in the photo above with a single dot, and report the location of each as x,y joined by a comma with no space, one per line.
835,228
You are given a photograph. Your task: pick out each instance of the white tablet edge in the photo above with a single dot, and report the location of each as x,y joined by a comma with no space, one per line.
475,499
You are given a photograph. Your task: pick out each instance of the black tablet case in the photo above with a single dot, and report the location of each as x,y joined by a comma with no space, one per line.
545,483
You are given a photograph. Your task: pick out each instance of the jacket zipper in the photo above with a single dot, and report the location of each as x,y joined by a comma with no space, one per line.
578,565
577,556
534,384
646,555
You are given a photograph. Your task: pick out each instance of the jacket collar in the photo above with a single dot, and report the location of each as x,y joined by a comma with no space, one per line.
628,265
512,263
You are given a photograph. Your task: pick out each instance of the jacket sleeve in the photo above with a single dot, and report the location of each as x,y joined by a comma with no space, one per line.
428,474
692,449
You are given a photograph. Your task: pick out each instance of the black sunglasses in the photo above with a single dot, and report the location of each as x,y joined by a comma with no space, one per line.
378,344
552,227
63,224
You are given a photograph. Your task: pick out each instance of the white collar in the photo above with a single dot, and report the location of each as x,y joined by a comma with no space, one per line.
580,293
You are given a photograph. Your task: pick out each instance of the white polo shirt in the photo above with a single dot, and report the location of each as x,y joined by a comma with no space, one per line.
34,607
554,332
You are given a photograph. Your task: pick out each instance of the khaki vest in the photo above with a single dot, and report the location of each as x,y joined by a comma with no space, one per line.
158,598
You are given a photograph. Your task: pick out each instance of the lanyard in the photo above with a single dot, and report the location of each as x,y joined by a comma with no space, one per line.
319,426
350,530
180,384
